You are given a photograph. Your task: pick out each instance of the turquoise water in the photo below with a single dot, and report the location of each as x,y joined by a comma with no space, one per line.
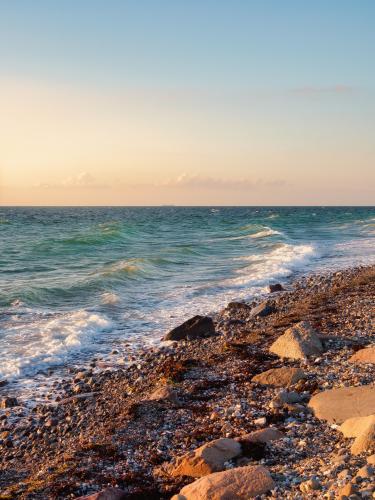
75,282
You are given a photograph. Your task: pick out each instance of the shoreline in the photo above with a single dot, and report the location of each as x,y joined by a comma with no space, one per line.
106,430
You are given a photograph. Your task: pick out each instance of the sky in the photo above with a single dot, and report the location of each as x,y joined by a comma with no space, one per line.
213,102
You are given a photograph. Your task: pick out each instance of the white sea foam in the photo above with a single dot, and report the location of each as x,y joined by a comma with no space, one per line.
280,262
49,340
252,281
265,232
110,298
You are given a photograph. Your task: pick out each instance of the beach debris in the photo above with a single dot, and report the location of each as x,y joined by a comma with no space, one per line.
279,377
209,458
338,405
298,342
193,328
240,483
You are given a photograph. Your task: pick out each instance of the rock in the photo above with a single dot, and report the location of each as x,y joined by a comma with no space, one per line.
234,307
366,355
365,472
196,327
346,491
107,494
263,309
260,421
298,342
262,436
165,393
51,422
310,485
8,402
338,405
240,483
371,459
277,287
209,458
290,398
354,427
365,441
279,377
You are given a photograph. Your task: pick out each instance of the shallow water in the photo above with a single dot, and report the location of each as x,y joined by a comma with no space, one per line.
78,281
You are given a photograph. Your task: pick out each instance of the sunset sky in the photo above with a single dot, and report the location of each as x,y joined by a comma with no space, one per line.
195,102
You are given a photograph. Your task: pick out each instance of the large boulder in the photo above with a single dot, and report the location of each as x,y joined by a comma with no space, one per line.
107,494
366,355
337,405
298,342
209,458
279,377
241,483
193,328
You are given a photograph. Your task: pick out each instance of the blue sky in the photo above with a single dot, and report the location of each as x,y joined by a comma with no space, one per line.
262,44
281,87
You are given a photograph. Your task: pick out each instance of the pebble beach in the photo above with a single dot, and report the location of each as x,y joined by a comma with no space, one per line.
143,431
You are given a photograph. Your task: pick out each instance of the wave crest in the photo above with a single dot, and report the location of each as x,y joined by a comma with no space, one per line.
280,262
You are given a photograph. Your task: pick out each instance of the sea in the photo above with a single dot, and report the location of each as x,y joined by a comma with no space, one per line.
100,282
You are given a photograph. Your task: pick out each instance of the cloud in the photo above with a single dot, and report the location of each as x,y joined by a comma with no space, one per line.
81,180
185,180
313,90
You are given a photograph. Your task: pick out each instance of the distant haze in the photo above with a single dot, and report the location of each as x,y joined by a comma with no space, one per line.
187,103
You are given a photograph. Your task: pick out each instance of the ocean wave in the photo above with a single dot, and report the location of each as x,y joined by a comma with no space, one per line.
282,261
263,233
49,341
129,266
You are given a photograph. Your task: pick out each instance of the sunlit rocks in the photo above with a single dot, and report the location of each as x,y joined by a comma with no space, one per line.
241,483
298,342
337,405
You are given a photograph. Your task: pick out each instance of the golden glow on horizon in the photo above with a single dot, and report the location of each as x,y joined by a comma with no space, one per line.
71,146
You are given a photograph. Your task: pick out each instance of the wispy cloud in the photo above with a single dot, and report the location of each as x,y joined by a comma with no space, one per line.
81,180
311,90
185,180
